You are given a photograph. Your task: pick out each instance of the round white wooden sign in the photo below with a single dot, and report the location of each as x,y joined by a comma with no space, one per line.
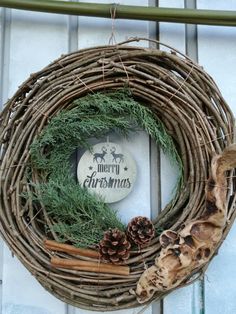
108,170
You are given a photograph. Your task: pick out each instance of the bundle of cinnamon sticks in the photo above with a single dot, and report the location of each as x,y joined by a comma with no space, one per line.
76,264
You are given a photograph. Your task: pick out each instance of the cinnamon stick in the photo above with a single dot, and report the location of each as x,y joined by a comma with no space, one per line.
95,267
61,247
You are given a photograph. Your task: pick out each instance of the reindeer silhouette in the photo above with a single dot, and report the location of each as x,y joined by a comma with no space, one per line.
100,156
120,157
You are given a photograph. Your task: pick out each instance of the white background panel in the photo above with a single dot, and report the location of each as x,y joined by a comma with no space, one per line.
185,300
217,53
31,41
98,31
171,33
22,294
36,39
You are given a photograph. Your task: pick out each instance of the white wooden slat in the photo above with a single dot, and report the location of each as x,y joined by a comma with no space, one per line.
2,21
73,24
22,294
11,306
138,201
217,53
191,34
4,27
155,186
217,48
220,286
98,31
187,300
1,272
95,32
171,33
5,22
34,40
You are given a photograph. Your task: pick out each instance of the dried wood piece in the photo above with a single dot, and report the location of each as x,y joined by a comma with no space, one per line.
195,244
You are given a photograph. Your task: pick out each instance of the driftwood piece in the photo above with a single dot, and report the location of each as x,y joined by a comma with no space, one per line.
195,244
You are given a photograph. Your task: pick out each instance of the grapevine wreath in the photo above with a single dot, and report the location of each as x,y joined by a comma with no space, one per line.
45,213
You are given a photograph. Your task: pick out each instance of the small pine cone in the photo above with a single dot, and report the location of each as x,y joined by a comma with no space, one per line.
114,247
140,230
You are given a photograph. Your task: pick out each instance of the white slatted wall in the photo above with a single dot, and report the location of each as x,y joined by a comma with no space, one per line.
28,42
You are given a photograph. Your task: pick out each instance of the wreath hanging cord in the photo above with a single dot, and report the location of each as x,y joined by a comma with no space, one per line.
179,93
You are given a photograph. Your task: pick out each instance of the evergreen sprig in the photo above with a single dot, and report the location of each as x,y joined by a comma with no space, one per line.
78,215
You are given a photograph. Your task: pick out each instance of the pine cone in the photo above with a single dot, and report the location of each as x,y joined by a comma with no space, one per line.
114,247
140,230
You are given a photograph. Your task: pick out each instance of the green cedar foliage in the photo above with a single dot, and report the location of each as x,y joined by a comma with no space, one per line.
79,216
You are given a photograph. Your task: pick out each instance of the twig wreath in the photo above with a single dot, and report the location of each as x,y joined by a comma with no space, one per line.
43,209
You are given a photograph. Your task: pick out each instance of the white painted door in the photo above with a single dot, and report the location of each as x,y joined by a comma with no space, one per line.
28,42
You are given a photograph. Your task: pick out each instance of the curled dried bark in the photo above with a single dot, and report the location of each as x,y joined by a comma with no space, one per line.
195,244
